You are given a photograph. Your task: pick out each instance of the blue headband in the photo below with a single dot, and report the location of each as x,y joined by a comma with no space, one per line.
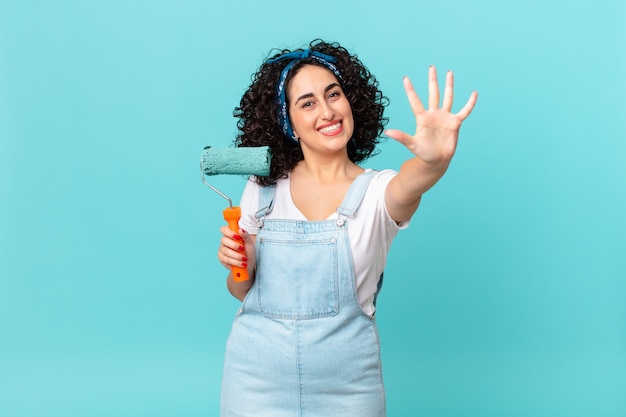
295,57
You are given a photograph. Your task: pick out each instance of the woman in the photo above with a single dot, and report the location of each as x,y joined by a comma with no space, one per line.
315,233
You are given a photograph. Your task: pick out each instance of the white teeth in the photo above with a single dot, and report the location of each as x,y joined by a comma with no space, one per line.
330,129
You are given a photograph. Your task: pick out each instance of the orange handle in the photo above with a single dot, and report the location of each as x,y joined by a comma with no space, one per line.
232,216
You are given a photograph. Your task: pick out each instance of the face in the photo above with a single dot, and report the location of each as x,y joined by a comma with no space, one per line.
319,111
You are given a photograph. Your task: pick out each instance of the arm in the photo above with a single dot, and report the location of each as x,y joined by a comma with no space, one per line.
433,145
231,253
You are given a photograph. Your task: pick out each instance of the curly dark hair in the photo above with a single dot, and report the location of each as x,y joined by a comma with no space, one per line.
258,110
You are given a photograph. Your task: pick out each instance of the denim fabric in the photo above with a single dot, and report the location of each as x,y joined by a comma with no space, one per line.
300,345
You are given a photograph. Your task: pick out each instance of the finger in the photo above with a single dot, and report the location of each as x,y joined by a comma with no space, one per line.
433,89
399,136
448,92
223,260
469,106
225,230
229,256
414,100
245,236
232,244
229,234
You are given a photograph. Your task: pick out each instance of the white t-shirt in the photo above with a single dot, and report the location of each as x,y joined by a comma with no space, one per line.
371,231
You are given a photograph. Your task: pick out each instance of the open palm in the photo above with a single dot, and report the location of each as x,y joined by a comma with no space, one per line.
437,129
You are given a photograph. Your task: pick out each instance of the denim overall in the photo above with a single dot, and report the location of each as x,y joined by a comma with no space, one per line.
300,345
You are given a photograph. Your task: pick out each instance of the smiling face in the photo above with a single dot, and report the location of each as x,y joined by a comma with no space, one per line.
319,111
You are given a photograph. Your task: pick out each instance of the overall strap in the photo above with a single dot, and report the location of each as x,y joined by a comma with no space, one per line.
266,201
352,201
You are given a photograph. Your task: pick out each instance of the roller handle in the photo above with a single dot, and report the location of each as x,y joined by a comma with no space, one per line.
232,216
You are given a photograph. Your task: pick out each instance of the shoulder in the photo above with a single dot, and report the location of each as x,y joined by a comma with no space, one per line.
374,200
377,184
380,179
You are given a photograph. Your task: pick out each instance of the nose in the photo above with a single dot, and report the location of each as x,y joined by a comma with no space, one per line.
326,111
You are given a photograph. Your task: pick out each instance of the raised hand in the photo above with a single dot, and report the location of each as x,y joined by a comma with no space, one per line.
437,129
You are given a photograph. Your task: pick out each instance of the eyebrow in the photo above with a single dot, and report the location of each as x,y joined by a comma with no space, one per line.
308,95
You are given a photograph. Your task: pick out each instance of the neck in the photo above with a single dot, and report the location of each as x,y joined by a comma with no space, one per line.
327,170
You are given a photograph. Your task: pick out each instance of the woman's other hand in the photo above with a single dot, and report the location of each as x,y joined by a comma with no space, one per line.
237,250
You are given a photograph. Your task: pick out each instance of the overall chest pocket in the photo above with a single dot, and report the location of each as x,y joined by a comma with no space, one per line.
297,279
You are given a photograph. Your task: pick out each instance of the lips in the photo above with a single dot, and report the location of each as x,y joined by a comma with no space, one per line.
332,129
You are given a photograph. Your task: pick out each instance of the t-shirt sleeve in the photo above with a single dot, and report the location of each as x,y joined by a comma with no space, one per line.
381,181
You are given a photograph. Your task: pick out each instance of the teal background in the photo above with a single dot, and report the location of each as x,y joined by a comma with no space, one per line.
506,297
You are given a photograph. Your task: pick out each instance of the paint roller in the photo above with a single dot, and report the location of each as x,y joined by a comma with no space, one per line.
234,161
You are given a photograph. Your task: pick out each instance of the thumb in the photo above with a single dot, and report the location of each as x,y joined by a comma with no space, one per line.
399,136
250,251
246,237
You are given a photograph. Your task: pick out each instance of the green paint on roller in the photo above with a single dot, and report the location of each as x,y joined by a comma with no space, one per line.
236,161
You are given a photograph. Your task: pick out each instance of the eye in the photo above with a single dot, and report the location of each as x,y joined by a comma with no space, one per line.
307,104
334,94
